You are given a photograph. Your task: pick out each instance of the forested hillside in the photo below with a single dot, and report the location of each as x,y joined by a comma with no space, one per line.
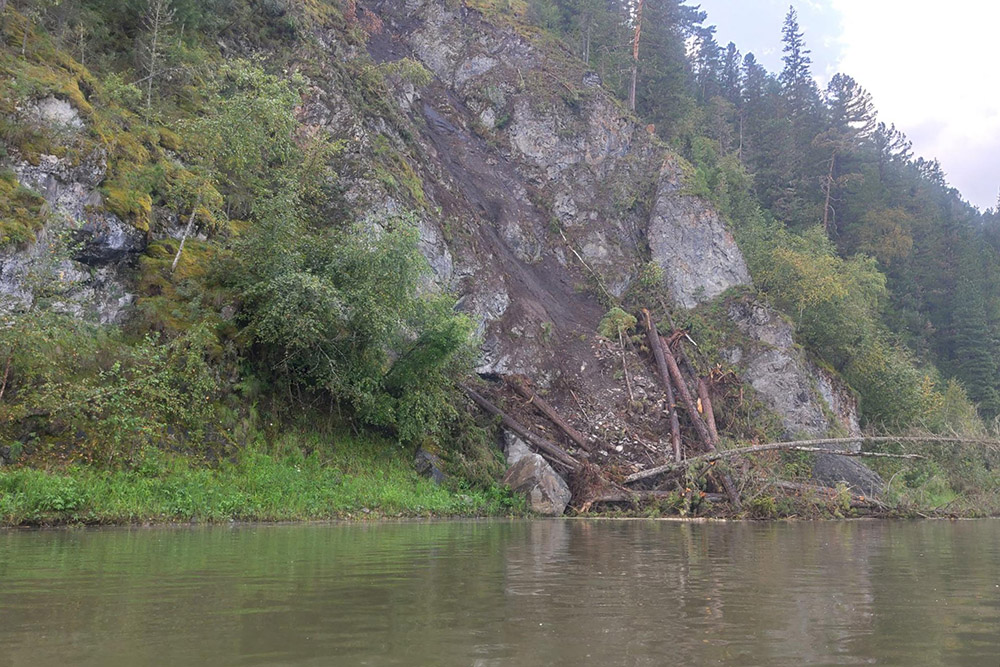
257,254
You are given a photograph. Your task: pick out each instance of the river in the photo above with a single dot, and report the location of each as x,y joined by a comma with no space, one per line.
485,593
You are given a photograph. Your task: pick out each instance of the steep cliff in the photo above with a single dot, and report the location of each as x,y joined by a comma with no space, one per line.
561,200
540,202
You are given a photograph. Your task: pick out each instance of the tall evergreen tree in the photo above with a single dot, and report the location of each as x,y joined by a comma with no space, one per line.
797,85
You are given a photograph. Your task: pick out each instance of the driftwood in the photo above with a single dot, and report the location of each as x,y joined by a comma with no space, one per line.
521,387
829,494
794,446
668,389
549,449
706,406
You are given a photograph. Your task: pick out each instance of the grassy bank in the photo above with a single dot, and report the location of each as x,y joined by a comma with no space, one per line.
358,479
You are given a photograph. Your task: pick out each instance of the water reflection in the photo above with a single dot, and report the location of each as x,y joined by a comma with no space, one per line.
505,593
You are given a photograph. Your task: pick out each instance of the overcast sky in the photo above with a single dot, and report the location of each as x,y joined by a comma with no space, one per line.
929,68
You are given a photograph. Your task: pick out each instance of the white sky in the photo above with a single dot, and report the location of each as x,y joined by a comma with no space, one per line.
930,67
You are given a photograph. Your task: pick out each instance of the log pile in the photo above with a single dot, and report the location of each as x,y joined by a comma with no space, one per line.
685,462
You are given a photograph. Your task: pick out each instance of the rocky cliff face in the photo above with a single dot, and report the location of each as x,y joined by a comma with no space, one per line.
562,200
83,253
539,199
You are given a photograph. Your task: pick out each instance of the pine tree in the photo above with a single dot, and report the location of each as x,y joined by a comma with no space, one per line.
797,85
707,63
974,347
731,79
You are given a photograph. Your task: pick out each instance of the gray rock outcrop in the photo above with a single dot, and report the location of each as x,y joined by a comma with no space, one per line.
691,244
810,401
83,253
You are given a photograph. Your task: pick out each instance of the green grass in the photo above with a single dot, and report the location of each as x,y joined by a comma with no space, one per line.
360,481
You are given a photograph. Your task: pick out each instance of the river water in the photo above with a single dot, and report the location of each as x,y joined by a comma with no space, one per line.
560,592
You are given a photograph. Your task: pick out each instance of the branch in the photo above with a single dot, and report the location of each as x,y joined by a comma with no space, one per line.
552,451
794,446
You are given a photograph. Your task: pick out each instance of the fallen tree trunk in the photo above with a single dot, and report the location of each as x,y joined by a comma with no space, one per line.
632,496
549,449
668,389
520,386
685,396
706,406
675,374
794,446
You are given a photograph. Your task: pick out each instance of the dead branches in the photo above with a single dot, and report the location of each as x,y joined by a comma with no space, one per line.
794,446
663,356
550,450
520,385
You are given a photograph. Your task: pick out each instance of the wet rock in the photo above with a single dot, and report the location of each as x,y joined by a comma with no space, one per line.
591,80
529,475
6,456
429,465
690,242
104,239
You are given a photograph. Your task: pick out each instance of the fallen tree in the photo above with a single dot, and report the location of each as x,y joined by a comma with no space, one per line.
804,446
553,452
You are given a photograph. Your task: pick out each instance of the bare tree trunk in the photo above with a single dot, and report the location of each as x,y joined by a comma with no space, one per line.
812,446
521,387
159,15
187,232
827,191
552,451
706,406
685,396
661,365
739,151
635,55
27,28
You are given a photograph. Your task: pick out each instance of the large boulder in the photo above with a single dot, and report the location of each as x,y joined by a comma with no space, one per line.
429,465
832,470
529,475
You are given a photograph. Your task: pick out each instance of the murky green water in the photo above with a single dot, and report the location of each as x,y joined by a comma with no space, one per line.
505,593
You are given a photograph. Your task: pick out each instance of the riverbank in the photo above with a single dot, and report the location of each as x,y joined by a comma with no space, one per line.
362,481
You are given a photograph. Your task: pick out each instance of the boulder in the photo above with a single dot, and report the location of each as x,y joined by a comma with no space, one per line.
529,475
830,470
429,465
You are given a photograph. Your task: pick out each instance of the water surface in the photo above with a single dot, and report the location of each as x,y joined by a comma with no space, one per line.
519,593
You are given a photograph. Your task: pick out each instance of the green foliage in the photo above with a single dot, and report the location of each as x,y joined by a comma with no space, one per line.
304,475
339,313
409,71
616,323
109,397
20,211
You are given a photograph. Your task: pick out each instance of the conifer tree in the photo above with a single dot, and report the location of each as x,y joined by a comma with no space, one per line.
797,85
